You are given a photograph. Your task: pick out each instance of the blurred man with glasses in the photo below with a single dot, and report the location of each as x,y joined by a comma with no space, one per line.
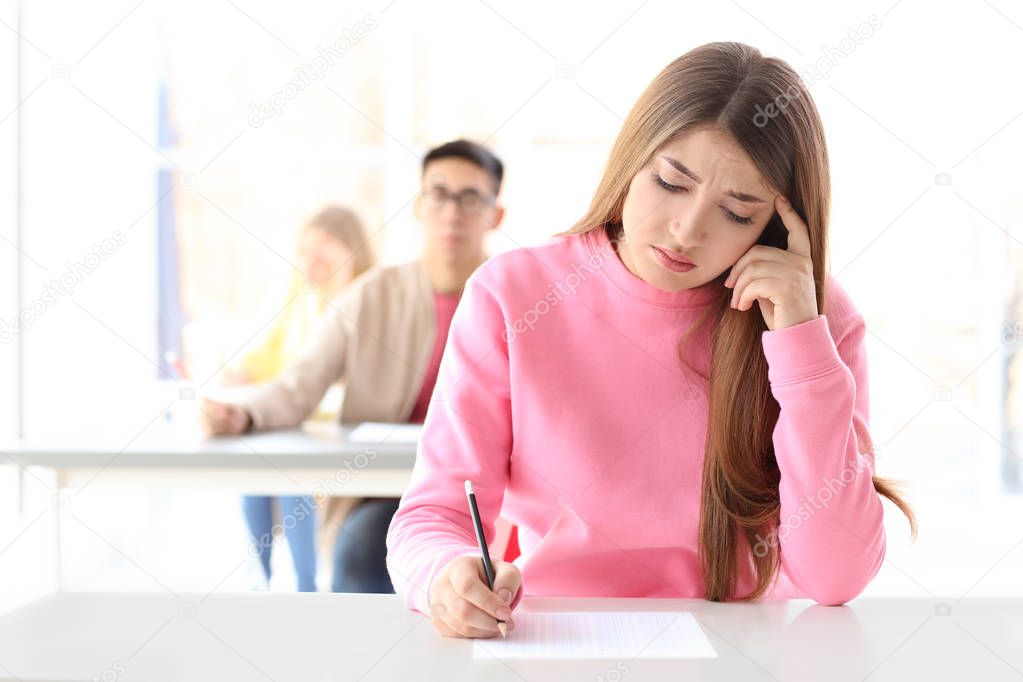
383,338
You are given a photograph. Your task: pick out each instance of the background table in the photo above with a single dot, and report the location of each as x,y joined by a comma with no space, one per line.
313,459
277,462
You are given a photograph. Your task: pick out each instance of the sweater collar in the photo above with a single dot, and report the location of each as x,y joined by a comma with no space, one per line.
599,246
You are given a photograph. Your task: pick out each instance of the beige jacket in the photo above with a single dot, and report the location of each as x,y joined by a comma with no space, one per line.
377,338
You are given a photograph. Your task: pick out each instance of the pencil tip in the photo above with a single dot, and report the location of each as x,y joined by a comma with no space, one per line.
503,628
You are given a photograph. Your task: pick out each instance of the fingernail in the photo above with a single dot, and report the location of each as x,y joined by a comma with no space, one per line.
503,613
505,595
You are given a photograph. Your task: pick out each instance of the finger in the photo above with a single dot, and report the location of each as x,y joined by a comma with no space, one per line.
461,615
470,586
456,618
450,629
227,417
445,629
470,632
473,631
206,418
799,233
466,616
216,417
755,271
222,422
464,633
765,288
507,581
757,252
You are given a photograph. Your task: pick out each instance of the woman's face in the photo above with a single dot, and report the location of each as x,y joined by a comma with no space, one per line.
700,198
324,259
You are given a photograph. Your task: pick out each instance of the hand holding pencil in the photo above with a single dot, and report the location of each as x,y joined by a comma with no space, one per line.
471,596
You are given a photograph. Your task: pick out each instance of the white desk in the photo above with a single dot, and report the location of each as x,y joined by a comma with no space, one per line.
279,462
313,637
316,459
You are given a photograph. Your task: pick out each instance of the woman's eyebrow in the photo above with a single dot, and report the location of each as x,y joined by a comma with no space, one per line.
741,196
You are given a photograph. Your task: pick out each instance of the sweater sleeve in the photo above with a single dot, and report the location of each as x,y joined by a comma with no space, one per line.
466,436
831,532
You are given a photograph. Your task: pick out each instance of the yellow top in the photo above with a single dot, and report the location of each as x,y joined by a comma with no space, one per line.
284,340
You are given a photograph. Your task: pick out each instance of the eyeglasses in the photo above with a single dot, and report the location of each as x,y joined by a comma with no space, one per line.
467,200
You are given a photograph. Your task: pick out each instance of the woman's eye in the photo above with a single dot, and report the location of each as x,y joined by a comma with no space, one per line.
668,186
742,220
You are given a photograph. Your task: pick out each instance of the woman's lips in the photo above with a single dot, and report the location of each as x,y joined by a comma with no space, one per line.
672,260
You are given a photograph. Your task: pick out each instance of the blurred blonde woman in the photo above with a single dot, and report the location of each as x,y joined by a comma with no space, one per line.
332,251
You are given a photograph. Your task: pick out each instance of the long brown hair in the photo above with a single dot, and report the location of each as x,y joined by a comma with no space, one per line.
762,103
344,225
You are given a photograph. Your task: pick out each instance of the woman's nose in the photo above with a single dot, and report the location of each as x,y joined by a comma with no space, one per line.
688,231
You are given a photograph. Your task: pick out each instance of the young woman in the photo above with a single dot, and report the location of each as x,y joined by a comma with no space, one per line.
331,253
669,399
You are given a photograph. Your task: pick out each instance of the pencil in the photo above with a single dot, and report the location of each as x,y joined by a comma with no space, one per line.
488,567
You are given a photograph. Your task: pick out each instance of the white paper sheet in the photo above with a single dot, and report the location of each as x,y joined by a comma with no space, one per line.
380,432
606,634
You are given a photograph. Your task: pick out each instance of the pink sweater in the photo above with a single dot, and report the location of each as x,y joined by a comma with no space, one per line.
562,398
